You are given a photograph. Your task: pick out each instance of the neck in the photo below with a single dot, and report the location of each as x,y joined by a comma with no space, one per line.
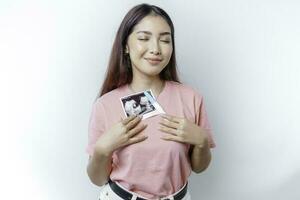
139,84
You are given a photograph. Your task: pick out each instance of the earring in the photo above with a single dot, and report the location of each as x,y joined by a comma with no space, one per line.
126,51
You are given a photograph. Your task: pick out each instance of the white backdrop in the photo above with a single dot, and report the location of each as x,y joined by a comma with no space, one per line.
242,55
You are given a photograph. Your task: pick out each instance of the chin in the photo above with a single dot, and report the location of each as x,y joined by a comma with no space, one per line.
150,70
153,73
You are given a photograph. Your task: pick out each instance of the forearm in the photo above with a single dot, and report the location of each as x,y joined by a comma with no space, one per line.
200,157
99,167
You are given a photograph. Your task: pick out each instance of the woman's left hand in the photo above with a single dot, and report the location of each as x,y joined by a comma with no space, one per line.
182,130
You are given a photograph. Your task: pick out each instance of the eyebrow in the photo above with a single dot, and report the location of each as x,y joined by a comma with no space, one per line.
149,33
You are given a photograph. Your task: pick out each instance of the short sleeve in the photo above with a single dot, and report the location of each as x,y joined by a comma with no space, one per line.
96,126
202,121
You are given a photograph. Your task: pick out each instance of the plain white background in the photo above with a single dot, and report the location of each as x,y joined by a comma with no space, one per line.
242,56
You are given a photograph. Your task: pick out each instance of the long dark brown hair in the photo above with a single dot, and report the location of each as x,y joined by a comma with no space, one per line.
119,71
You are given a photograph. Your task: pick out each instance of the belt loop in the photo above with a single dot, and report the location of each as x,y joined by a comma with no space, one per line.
134,197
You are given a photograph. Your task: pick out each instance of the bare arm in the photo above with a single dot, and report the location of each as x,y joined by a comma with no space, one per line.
200,157
123,133
99,167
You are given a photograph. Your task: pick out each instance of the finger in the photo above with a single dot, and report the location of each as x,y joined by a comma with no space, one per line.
133,123
172,118
137,139
172,138
128,119
170,124
136,130
172,131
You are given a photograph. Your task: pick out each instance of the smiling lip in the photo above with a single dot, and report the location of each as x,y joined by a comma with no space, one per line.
154,61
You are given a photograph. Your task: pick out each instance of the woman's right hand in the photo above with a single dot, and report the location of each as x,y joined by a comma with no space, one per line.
121,134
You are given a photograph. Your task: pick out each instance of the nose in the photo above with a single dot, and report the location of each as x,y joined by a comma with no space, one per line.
155,48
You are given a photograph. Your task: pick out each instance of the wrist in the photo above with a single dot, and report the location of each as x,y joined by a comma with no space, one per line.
203,144
101,151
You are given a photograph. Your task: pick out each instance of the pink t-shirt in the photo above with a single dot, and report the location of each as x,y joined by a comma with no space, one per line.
154,167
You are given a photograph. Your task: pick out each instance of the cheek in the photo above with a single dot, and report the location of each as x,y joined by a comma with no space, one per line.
139,49
168,51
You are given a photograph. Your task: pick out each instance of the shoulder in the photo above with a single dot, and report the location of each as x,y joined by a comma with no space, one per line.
111,97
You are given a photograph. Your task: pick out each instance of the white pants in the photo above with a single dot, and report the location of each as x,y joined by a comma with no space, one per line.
106,193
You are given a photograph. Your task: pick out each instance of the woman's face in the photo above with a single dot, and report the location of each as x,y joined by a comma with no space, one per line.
150,46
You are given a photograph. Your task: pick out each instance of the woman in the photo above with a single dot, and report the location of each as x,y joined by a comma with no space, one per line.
150,158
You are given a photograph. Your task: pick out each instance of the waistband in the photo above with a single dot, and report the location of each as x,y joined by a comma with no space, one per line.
126,195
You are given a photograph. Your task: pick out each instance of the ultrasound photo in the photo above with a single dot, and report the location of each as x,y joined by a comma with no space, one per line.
141,103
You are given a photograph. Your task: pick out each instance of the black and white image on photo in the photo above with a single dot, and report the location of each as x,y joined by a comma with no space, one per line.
139,104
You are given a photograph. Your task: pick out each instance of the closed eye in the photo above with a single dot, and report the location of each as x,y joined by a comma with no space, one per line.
146,39
165,41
